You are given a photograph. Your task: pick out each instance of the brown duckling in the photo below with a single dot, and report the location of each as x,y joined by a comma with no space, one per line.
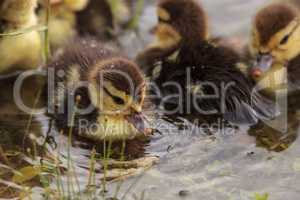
296,2
171,32
293,3
110,87
106,19
97,19
18,51
275,46
186,58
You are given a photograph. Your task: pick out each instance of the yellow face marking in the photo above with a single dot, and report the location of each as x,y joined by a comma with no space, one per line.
165,33
163,14
282,52
166,36
254,45
108,105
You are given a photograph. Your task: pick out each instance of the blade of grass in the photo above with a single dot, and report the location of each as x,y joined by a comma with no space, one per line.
143,194
114,6
122,159
28,126
46,33
59,184
46,53
107,154
134,22
75,177
39,28
104,169
69,163
92,175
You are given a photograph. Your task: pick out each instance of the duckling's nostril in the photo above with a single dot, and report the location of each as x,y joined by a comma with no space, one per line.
256,73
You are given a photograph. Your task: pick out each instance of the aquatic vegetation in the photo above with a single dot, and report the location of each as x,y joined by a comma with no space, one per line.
261,196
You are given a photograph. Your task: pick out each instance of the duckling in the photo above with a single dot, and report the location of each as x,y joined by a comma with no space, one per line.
186,58
296,3
275,46
97,19
293,3
76,5
171,32
62,22
106,19
110,87
20,51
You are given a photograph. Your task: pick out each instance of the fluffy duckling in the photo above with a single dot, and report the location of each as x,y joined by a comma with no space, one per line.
76,5
96,19
20,51
297,3
275,46
106,18
109,86
174,27
62,22
293,3
186,58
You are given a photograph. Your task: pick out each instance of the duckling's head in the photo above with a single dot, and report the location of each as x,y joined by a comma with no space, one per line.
275,37
18,12
118,91
180,20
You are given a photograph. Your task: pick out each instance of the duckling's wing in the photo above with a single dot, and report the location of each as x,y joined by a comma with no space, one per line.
293,71
243,114
260,108
148,58
243,105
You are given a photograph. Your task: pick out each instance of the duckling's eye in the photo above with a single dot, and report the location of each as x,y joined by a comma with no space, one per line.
3,24
284,40
116,99
162,20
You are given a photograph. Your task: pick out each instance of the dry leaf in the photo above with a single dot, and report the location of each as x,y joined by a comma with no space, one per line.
26,174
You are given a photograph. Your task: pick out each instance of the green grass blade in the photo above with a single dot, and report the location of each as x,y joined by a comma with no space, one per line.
25,30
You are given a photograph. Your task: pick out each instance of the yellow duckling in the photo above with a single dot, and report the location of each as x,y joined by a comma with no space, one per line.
18,51
76,5
107,18
111,86
62,22
275,46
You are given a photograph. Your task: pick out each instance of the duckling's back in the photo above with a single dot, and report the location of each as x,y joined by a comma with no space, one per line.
83,53
201,69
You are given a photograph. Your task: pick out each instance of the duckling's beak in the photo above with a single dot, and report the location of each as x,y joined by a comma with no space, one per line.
53,2
138,120
262,64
